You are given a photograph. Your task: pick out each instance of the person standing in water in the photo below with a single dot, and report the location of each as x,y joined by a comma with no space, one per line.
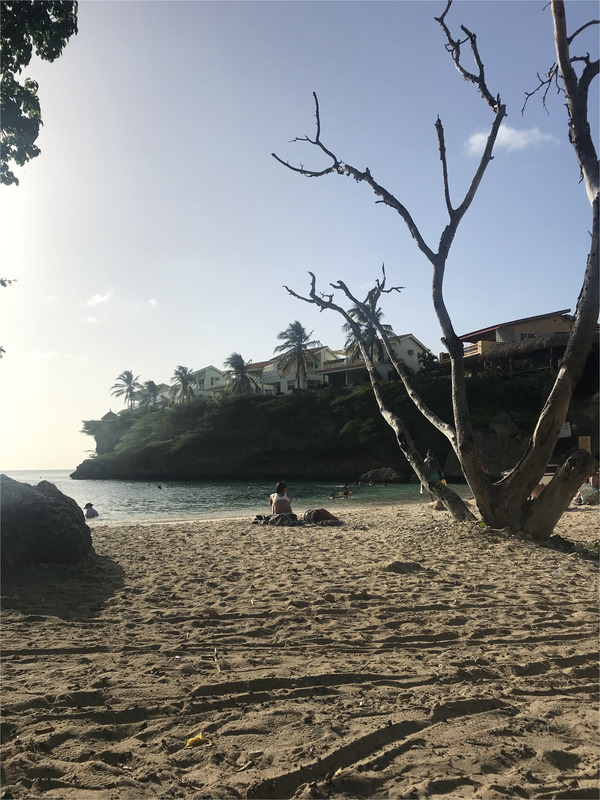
433,465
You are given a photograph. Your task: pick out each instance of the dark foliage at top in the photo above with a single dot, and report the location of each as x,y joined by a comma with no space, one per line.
27,26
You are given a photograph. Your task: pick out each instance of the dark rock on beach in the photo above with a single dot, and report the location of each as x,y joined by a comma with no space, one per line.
42,525
382,475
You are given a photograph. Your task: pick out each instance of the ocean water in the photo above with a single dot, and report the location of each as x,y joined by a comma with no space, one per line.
117,501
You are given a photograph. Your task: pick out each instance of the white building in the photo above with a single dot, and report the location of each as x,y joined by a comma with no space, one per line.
209,382
272,380
325,367
345,371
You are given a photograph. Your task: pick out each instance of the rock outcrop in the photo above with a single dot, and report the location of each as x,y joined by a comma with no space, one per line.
382,475
502,424
41,525
500,447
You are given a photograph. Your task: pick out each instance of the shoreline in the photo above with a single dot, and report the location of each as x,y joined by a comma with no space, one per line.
349,505
397,654
125,500
348,511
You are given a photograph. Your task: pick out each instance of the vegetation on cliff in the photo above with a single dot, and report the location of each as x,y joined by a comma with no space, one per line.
328,433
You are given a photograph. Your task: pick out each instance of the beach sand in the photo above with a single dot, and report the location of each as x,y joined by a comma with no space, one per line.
397,655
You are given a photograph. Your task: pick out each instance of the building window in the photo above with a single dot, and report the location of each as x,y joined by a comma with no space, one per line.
527,336
410,352
505,335
291,385
201,384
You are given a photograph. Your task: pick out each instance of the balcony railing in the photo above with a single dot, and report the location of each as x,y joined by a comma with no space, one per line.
476,349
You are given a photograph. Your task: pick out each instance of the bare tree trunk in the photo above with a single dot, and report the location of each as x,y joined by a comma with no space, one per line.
540,519
506,503
447,496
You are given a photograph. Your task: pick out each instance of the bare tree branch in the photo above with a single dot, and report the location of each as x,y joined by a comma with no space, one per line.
336,166
572,37
577,102
325,301
442,147
368,308
453,46
465,438
553,76
545,83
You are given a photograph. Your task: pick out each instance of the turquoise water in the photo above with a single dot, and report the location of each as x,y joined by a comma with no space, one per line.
117,501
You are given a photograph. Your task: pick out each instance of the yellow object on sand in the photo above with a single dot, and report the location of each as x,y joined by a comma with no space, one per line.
198,740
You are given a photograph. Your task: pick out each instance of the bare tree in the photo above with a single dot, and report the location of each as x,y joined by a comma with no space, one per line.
504,503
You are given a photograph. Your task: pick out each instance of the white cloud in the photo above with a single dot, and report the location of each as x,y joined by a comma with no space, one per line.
152,302
93,320
98,299
511,139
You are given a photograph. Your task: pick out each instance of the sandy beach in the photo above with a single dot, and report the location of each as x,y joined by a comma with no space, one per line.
396,655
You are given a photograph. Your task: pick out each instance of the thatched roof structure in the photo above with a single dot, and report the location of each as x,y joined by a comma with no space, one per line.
541,352
554,343
526,348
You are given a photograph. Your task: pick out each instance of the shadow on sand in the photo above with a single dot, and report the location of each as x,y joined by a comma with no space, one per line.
69,591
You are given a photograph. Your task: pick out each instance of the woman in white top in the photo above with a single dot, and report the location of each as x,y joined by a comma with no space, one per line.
280,500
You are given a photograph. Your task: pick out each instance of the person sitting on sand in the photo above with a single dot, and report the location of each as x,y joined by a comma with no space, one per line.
280,500
90,511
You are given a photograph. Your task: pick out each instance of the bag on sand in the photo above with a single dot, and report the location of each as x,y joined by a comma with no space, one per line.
588,494
320,515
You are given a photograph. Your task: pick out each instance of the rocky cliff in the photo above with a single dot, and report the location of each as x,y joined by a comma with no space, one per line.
325,435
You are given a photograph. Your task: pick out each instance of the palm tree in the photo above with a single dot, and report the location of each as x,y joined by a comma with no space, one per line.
368,334
237,374
182,381
296,350
126,386
150,394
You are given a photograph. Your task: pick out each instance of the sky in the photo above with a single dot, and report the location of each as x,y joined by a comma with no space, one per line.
156,229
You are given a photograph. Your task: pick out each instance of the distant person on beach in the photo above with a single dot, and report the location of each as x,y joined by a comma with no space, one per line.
90,511
280,500
589,492
433,465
